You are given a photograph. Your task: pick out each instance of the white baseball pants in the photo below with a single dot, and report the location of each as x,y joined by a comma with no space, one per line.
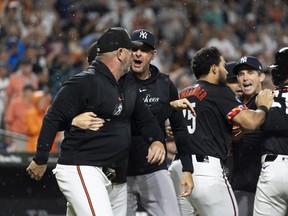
89,192
272,188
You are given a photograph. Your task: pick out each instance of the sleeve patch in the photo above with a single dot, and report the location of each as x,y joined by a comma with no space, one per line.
235,111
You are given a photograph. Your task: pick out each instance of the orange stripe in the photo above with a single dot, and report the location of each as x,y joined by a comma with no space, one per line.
86,191
229,192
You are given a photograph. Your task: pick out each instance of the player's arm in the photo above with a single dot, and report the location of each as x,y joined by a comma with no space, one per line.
88,120
181,104
187,184
250,120
65,105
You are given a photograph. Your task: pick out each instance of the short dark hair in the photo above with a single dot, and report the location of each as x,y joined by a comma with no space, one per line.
204,59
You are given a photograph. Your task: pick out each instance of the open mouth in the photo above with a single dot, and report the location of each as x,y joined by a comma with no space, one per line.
137,63
247,86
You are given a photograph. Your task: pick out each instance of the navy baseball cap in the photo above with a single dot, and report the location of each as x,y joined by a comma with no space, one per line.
229,67
247,60
113,39
144,36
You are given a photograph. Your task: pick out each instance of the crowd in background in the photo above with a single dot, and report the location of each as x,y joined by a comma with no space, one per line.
43,43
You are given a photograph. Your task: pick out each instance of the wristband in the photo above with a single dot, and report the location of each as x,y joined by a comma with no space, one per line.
264,109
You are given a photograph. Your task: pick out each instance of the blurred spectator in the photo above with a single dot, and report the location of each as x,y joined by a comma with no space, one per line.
35,54
142,17
165,56
33,29
42,77
4,81
252,46
49,17
14,116
12,13
73,44
61,65
15,48
222,42
23,76
3,30
213,14
33,119
184,80
173,21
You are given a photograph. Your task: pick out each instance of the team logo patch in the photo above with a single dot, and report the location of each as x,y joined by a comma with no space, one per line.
243,60
143,34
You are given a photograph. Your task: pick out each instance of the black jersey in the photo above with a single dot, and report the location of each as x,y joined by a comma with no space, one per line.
157,92
210,131
275,127
247,158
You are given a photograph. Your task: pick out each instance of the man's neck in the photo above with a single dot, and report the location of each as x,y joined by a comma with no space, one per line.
143,76
209,79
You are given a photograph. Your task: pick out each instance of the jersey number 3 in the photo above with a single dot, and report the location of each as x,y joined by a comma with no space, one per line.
190,119
277,104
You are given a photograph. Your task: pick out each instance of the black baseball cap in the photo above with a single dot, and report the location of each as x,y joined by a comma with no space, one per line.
113,39
144,36
92,52
229,67
247,60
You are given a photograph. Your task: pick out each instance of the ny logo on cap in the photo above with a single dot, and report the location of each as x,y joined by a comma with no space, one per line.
143,35
243,60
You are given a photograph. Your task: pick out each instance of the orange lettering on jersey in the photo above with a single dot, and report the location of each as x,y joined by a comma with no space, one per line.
198,92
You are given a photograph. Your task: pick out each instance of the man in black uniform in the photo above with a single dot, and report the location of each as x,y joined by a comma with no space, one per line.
246,150
272,190
210,131
150,184
86,154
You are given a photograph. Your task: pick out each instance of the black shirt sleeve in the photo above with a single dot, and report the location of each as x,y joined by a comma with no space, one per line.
65,106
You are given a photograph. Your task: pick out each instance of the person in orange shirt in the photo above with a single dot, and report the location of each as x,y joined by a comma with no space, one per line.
14,117
33,119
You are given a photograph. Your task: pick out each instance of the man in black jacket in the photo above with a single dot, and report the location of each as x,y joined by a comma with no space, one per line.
87,155
150,184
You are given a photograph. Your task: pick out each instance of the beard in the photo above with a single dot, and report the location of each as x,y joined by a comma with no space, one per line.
222,80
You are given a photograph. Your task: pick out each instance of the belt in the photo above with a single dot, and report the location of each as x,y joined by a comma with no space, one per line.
270,157
207,159
203,159
109,172
273,157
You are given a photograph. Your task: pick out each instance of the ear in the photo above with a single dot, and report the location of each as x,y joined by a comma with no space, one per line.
262,77
119,53
154,54
214,69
